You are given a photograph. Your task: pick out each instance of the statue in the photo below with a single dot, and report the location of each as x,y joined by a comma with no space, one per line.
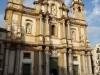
82,37
28,28
19,29
9,27
73,36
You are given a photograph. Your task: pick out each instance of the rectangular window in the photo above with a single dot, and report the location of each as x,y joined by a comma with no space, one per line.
98,63
98,56
75,58
0,63
0,35
0,49
98,50
26,55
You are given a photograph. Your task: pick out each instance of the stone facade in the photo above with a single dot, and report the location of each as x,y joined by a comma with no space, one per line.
96,59
44,40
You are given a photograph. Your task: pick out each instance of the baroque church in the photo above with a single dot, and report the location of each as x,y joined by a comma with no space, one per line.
45,40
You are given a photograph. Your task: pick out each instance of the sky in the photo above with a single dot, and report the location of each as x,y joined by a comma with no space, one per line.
92,16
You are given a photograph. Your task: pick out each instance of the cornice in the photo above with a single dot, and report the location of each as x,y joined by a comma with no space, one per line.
77,3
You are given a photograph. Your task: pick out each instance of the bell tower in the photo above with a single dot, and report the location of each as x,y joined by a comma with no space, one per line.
12,7
77,9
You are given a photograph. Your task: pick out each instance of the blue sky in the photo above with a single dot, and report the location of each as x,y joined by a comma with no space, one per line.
92,16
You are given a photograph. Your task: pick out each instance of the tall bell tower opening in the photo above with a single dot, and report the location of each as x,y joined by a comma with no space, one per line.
77,9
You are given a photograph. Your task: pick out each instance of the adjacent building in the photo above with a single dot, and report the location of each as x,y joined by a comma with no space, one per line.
44,40
96,59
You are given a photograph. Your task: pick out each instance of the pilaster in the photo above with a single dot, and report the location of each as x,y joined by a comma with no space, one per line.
6,59
69,34
47,36
17,60
90,64
70,62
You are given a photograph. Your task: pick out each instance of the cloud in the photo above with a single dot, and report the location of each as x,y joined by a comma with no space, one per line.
67,2
1,20
94,35
93,20
94,16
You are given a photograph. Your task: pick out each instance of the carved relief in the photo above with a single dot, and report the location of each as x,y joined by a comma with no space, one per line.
54,52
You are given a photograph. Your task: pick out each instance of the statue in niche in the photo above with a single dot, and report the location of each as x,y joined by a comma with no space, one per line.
82,37
82,40
73,36
54,10
19,29
28,28
9,27
14,26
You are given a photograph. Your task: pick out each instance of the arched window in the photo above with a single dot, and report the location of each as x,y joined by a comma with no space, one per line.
79,9
28,28
53,30
73,35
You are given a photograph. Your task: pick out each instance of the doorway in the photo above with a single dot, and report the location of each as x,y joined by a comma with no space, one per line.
26,69
54,66
75,68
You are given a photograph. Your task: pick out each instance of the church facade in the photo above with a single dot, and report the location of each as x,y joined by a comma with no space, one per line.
44,40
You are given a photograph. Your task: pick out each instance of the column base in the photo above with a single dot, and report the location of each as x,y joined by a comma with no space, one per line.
47,74
40,74
65,74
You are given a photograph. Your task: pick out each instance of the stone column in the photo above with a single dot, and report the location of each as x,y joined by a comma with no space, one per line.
70,62
90,63
17,60
47,25
64,29
6,60
65,63
84,63
69,30
32,68
40,63
47,31
41,26
69,35
47,63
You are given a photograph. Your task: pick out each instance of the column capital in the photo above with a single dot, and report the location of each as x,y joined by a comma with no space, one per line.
8,45
47,53
70,51
18,46
89,53
64,50
68,22
83,53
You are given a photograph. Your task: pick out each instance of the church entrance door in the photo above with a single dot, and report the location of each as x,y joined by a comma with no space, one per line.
26,69
54,66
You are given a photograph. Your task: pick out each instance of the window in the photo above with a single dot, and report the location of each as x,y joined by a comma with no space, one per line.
0,35
75,58
79,9
0,63
0,48
26,55
98,50
53,30
28,28
98,63
98,56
